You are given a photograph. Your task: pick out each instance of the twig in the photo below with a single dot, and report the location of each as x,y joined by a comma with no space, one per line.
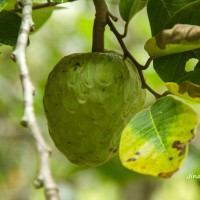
128,54
38,6
121,42
125,30
147,63
44,178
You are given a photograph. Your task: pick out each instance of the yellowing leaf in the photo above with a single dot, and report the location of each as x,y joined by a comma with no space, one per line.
182,37
155,142
185,89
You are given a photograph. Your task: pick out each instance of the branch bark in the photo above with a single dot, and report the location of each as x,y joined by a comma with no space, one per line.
44,178
99,25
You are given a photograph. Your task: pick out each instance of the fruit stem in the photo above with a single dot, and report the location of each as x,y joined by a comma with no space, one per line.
100,22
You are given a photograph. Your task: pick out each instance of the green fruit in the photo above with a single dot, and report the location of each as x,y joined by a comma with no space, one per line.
88,100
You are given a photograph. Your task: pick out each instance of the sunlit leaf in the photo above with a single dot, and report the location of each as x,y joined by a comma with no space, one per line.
180,38
3,4
155,142
128,8
185,89
9,27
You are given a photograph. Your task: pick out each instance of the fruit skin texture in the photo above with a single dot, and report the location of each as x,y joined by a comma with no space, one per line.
88,100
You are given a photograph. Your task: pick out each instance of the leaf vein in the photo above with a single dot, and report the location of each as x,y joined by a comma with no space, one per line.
156,131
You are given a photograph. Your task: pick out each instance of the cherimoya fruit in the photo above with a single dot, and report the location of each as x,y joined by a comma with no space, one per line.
88,100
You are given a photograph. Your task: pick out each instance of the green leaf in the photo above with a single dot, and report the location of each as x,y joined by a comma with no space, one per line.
185,90
182,37
128,8
40,16
9,27
171,68
3,4
160,11
155,142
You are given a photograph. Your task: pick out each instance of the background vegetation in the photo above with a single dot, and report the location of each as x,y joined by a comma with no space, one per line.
67,31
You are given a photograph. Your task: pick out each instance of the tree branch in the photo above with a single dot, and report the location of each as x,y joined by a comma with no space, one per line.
99,25
44,178
38,6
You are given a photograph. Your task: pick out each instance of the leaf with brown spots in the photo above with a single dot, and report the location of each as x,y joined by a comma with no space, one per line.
180,38
177,32
185,89
155,142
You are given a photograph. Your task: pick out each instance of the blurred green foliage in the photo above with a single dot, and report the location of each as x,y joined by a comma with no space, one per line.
67,31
